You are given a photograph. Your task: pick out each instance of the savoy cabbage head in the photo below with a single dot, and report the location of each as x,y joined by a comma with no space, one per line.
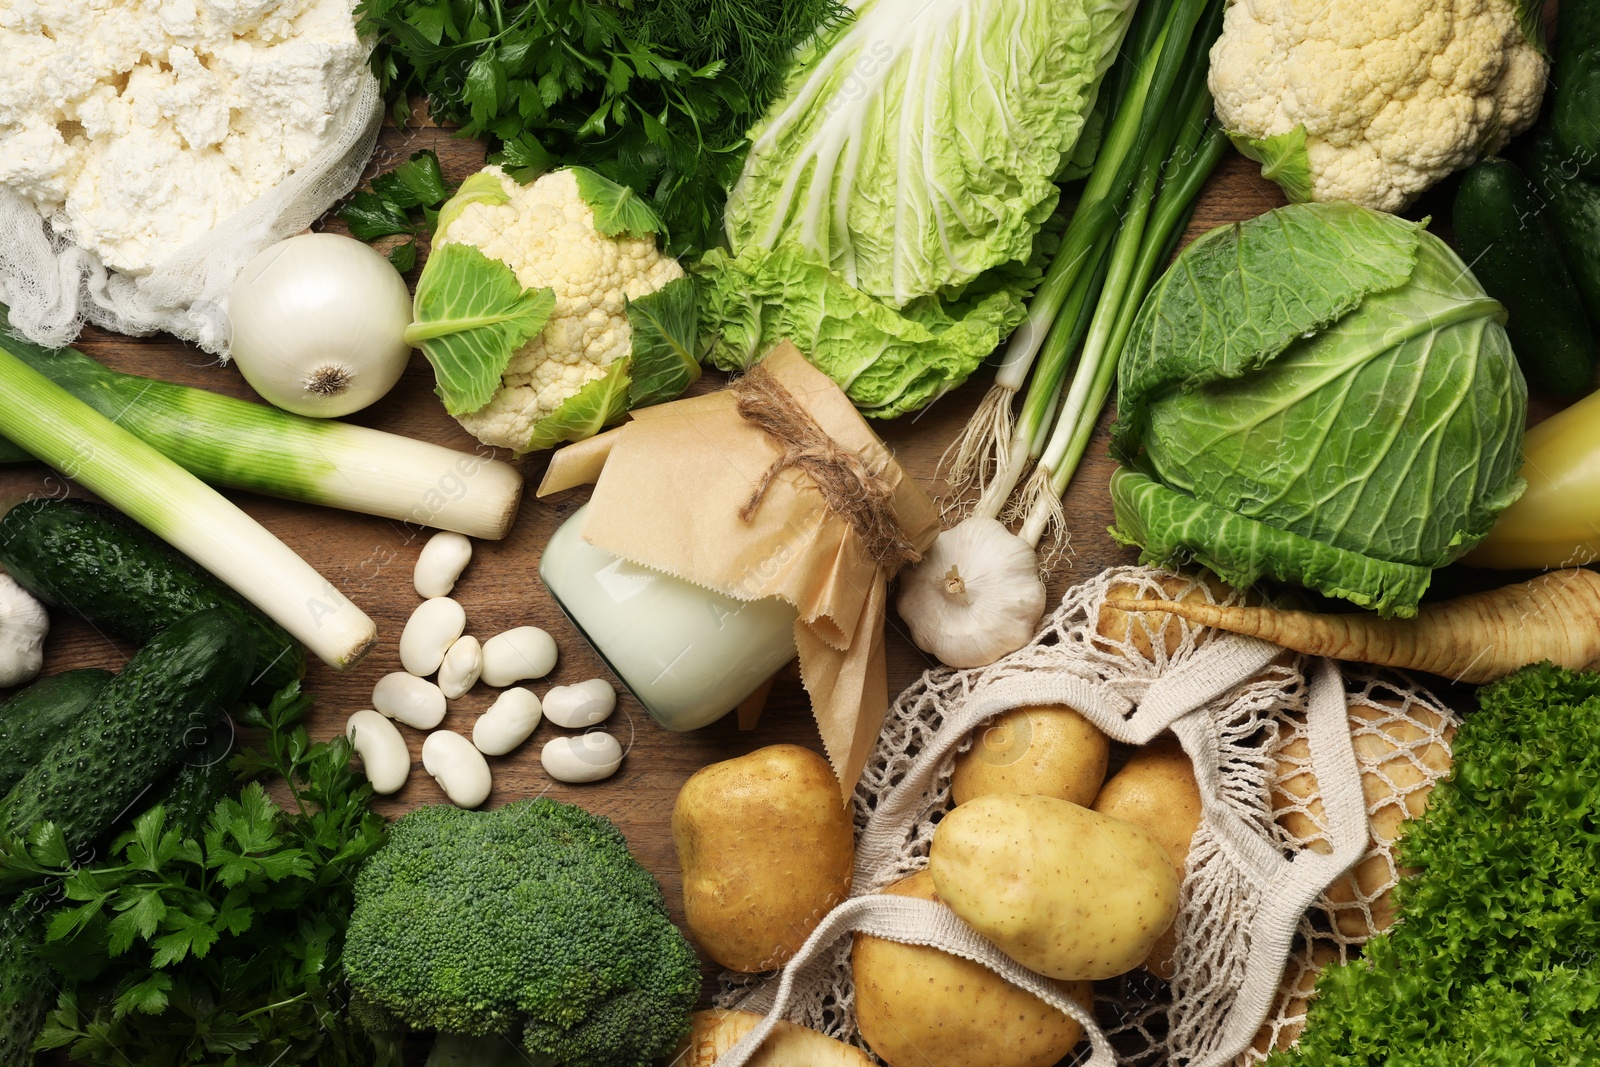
1322,395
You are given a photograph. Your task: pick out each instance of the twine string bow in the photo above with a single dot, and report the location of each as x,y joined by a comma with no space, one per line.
852,489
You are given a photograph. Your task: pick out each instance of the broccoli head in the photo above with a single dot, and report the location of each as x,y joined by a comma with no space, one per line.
532,921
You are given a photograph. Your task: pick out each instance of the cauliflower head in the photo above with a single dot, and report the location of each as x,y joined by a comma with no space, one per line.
1373,102
591,323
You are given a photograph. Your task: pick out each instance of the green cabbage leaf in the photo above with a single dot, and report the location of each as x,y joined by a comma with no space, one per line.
1322,395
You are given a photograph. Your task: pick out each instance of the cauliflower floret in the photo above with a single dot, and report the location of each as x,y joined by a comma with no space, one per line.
545,232
1393,95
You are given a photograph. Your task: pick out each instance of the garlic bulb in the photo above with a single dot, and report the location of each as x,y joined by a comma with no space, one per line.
976,595
318,325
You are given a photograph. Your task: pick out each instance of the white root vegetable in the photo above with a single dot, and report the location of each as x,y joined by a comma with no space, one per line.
429,633
318,325
516,655
383,751
458,767
440,564
23,628
509,722
406,698
577,707
588,757
975,596
462,664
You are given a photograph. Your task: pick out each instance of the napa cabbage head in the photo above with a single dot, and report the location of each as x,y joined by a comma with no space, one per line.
1322,395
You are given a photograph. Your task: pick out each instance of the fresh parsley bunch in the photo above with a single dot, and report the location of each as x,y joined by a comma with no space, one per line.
656,95
221,947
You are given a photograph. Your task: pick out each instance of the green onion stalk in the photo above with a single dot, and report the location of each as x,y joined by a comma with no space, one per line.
1149,234
84,445
258,448
994,440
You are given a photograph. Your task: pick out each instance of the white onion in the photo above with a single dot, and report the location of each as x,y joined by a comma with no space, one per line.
318,325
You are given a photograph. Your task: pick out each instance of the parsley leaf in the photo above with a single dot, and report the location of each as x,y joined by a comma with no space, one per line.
402,201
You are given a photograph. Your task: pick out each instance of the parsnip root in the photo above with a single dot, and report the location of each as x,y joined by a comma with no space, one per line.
1475,639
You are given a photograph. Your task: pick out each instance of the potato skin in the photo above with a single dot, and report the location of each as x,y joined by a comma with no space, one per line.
1064,890
920,1007
1156,790
715,1032
767,847
1047,749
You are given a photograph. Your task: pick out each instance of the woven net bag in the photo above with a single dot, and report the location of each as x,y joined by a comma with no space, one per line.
1303,785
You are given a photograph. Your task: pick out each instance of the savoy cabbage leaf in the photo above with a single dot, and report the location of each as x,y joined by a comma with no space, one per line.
1324,395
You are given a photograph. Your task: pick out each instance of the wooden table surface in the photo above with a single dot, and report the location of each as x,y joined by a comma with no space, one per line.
371,561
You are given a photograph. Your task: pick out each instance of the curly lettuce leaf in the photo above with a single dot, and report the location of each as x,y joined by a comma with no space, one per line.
1493,960
665,345
917,146
470,316
1283,160
585,413
888,361
1282,433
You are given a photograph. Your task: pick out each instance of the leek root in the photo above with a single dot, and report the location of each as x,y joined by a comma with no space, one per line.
1477,638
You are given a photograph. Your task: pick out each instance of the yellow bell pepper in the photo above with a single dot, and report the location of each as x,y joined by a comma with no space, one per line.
1556,523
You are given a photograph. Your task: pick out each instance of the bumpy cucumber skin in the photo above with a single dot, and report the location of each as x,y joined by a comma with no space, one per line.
1502,234
26,993
1572,206
33,718
1575,110
91,561
195,790
132,736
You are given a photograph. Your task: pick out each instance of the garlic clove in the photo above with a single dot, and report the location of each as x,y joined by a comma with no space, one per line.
975,596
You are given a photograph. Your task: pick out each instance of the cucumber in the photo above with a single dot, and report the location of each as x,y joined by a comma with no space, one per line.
1575,108
26,991
1501,233
89,560
31,720
132,735
202,779
1572,207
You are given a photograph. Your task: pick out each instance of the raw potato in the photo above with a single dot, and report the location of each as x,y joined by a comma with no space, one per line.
1064,890
1141,628
920,1007
767,849
1389,805
715,1032
1049,749
1297,998
1156,790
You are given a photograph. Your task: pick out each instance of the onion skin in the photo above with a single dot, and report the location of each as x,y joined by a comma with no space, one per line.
318,325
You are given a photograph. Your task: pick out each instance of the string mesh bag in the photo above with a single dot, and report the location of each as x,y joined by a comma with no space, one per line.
1284,816
53,287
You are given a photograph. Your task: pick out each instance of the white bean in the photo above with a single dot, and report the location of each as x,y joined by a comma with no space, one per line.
526,652
460,769
461,667
429,633
586,758
383,751
577,707
441,562
509,721
406,698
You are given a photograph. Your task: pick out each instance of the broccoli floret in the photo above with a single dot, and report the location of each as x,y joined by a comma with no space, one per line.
532,921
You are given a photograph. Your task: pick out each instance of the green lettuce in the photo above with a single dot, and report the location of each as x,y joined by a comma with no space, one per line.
888,361
1494,958
918,146
1322,395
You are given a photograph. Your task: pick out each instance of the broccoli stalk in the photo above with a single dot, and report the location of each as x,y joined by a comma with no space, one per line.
530,924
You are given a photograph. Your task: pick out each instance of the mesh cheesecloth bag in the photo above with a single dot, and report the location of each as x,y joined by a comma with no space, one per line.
1288,763
53,287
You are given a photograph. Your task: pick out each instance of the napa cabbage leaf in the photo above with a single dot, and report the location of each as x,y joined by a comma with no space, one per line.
1322,395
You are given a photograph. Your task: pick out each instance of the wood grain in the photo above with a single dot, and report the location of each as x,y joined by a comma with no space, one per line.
371,561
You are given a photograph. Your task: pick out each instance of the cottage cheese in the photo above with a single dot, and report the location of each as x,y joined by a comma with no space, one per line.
136,126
